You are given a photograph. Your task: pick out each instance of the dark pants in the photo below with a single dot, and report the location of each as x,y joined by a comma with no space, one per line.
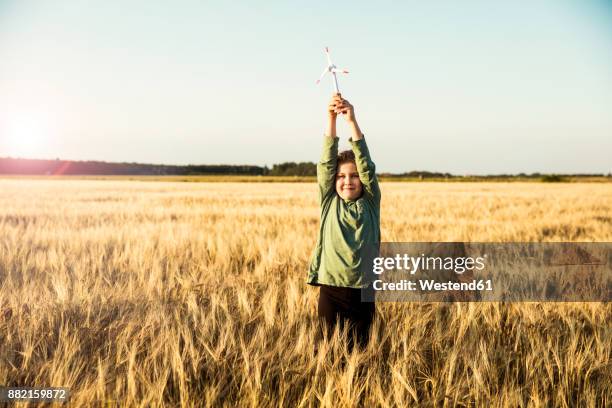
343,306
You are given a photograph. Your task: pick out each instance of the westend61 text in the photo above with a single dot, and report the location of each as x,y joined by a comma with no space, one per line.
431,285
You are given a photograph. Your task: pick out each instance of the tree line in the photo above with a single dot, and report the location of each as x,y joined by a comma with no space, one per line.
95,168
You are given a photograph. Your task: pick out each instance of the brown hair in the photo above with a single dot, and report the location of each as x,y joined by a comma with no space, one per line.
345,157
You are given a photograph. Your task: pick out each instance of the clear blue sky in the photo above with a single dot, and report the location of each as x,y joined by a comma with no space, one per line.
465,87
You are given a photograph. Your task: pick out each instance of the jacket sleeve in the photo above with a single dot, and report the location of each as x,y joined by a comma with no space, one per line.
326,168
366,170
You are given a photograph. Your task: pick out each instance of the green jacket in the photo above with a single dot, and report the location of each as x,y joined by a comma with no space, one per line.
347,228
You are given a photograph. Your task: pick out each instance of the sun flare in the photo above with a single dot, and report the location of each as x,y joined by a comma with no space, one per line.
24,135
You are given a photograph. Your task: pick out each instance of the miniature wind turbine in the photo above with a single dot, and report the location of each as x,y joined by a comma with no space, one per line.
333,69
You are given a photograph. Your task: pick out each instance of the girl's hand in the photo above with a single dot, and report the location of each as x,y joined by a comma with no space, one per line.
334,102
344,107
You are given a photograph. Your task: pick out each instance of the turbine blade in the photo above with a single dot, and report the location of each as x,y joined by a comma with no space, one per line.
322,75
328,56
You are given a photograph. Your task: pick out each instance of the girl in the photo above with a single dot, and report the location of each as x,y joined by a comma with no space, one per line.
349,197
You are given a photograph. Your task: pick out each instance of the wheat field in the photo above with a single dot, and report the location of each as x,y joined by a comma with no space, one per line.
135,293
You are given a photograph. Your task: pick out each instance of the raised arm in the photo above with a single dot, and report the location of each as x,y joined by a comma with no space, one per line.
363,161
326,168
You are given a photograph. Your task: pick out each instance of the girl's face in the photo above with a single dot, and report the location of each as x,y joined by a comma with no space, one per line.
348,185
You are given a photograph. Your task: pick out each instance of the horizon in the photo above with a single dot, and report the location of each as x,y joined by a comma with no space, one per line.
270,167
473,88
